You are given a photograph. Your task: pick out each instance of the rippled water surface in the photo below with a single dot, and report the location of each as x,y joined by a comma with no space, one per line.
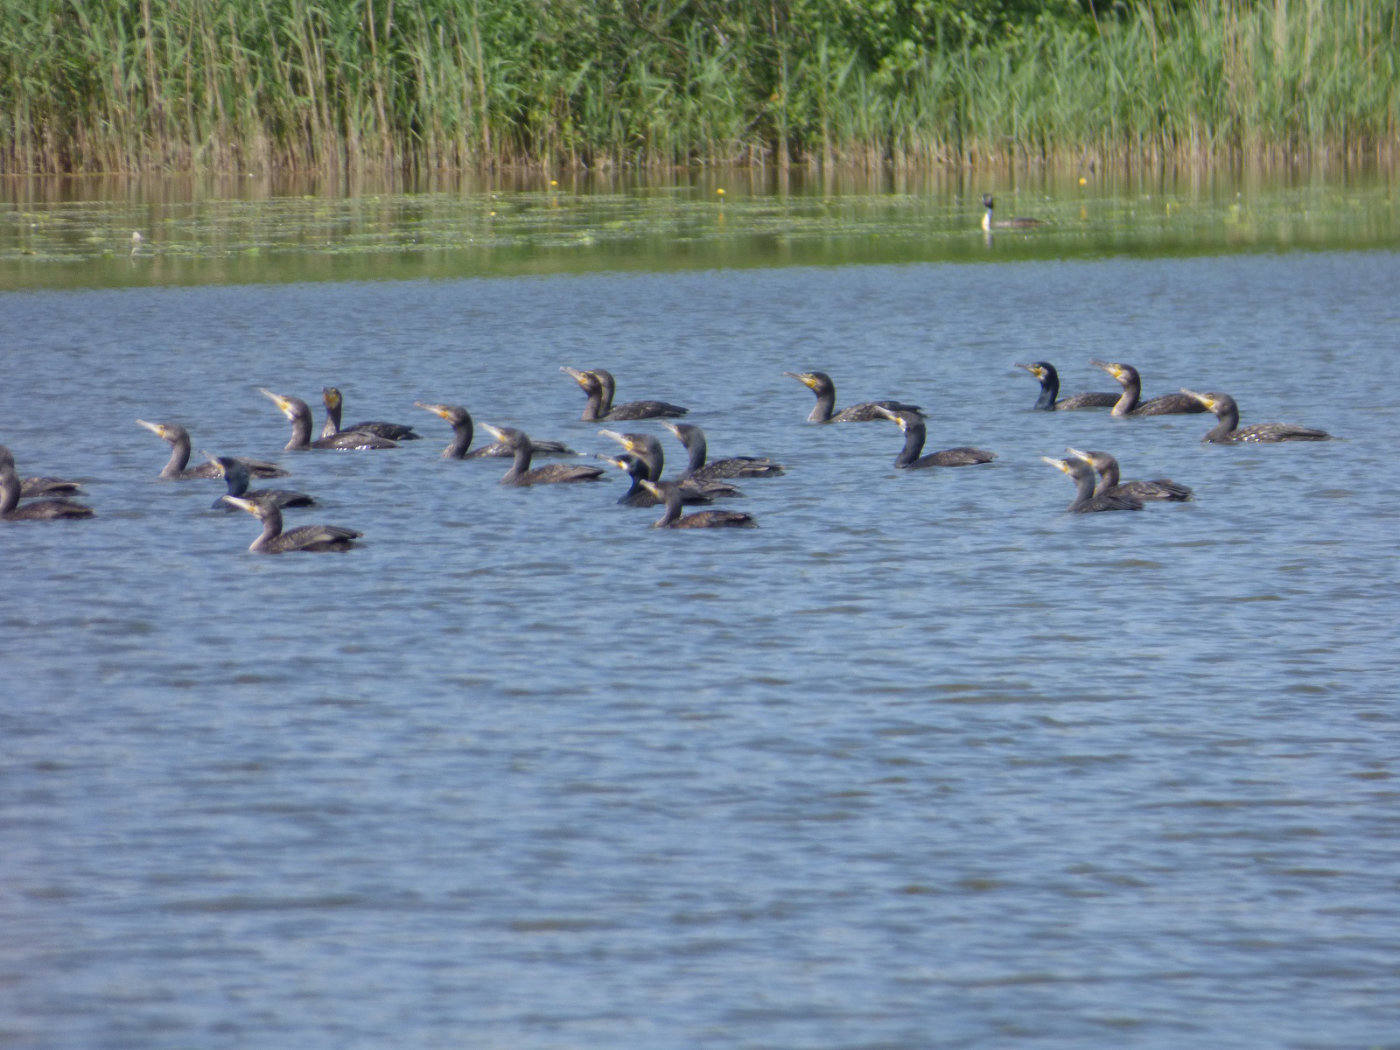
921,761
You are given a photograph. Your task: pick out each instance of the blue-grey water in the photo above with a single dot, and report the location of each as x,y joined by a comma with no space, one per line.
922,761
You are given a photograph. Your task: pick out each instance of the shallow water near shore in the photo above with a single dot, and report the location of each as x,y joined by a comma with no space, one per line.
922,761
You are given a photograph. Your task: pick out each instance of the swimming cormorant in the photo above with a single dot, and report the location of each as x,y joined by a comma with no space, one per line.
1107,467
648,450
1227,430
912,425
1050,399
672,518
1129,403
177,468
825,410
600,386
520,473
1085,501
38,510
693,438
237,477
33,486
273,540
462,431
296,410
334,403
1016,223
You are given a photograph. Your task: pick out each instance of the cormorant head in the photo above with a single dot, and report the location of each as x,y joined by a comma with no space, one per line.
904,418
627,463
1216,403
331,396
1075,468
1039,369
259,506
1098,460
454,414
631,442
1122,373
291,407
986,200
685,432
817,381
508,436
171,432
587,380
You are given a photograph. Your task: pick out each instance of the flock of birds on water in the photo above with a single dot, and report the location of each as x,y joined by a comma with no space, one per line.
1096,477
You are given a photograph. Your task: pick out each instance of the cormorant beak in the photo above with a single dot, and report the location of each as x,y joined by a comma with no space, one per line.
331,396
495,432
894,416
1111,368
672,428
278,400
1204,399
1058,464
581,378
621,439
437,410
804,378
1078,454
213,462
241,503
651,487
157,429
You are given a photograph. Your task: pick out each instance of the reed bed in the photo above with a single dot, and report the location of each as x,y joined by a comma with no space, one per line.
420,85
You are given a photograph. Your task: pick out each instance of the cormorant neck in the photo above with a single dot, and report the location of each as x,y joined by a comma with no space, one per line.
332,425
606,390
521,464
1228,419
653,459
271,529
697,449
1049,391
237,482
914,433
826,405
9,491
673,508
1128,400
594,411
462,432
1109,478
179,457
1084,488
301,431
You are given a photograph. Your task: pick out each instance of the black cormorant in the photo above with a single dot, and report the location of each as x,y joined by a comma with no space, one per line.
693,438
273,540
1130,403
236,475
825,410
334,403
38,510
461,422
296,410
912,425
1085,501
520,473
1227,430
1018,222
636,496
1107,467
600,386
178,469
669,492
1050,399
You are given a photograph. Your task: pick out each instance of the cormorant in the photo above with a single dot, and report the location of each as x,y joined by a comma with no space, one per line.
1085,501
648,450
1128,404
334,403
1227,430
636,496
820,384
236,475
1017,223
1050,399
520,473
273,540
600,386
462,431
912,425
177,468
693,438
672,518
39,510
296,410
36,485
1107,467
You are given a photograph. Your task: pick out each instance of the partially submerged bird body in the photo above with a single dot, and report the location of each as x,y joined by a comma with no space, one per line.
236,475
522,475
334,403
1107,467
463,429
36,485
1227,430
1050,399
272,540
1130,402
299,414
178,469
1018,222
50,509
672,518
601,387
693,438
1085,500
824,411
914,429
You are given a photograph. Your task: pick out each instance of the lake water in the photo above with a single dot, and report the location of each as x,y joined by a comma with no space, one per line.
922,761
